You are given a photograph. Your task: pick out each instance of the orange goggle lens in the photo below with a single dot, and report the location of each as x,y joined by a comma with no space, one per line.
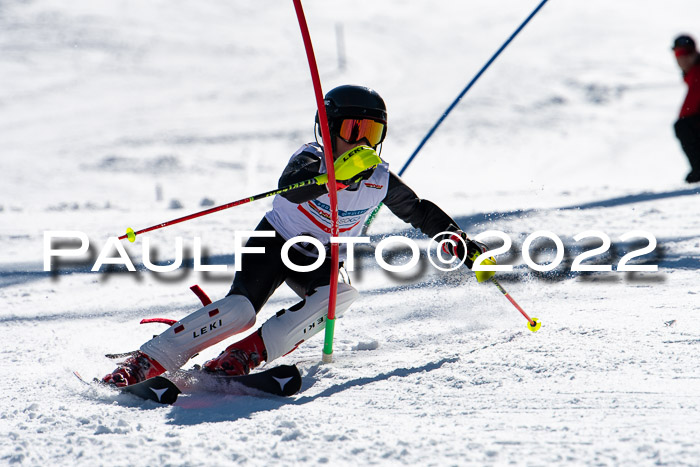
353,130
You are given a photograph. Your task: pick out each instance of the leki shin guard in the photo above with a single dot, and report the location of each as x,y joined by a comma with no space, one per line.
205,327
285,331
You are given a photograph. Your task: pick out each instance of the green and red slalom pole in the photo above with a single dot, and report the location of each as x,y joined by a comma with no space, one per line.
332,187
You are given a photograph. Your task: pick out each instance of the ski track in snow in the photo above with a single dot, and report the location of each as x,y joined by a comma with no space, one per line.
132,113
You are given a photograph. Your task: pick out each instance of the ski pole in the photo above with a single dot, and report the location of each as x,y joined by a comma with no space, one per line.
533,324
347,166
318,180
454,103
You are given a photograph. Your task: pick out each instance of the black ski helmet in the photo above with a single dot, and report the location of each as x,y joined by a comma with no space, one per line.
683,41
351,101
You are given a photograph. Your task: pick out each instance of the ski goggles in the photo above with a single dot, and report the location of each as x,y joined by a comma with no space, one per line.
355,129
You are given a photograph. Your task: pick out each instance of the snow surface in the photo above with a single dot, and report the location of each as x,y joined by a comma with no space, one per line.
111,113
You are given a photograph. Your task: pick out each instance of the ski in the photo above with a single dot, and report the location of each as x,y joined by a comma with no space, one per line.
283,380
158,389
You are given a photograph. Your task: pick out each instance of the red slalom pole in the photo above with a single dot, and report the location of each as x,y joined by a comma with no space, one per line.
332,187
533,324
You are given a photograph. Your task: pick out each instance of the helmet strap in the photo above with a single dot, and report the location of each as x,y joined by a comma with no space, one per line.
317,133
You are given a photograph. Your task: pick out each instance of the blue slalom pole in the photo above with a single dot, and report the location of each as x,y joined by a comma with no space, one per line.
468,87
371,217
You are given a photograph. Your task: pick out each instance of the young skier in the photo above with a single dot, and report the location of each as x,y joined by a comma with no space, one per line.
357,118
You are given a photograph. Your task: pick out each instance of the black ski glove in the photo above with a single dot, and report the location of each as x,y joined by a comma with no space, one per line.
455,246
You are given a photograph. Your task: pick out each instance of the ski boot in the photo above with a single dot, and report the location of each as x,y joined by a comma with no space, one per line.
139,367
239,358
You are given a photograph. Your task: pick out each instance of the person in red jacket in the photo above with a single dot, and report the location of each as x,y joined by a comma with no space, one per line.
688,124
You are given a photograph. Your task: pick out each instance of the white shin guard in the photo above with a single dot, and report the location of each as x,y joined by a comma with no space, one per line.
203,328
289,328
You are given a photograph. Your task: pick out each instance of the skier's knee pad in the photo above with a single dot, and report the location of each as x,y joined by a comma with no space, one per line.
289,328
203,328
